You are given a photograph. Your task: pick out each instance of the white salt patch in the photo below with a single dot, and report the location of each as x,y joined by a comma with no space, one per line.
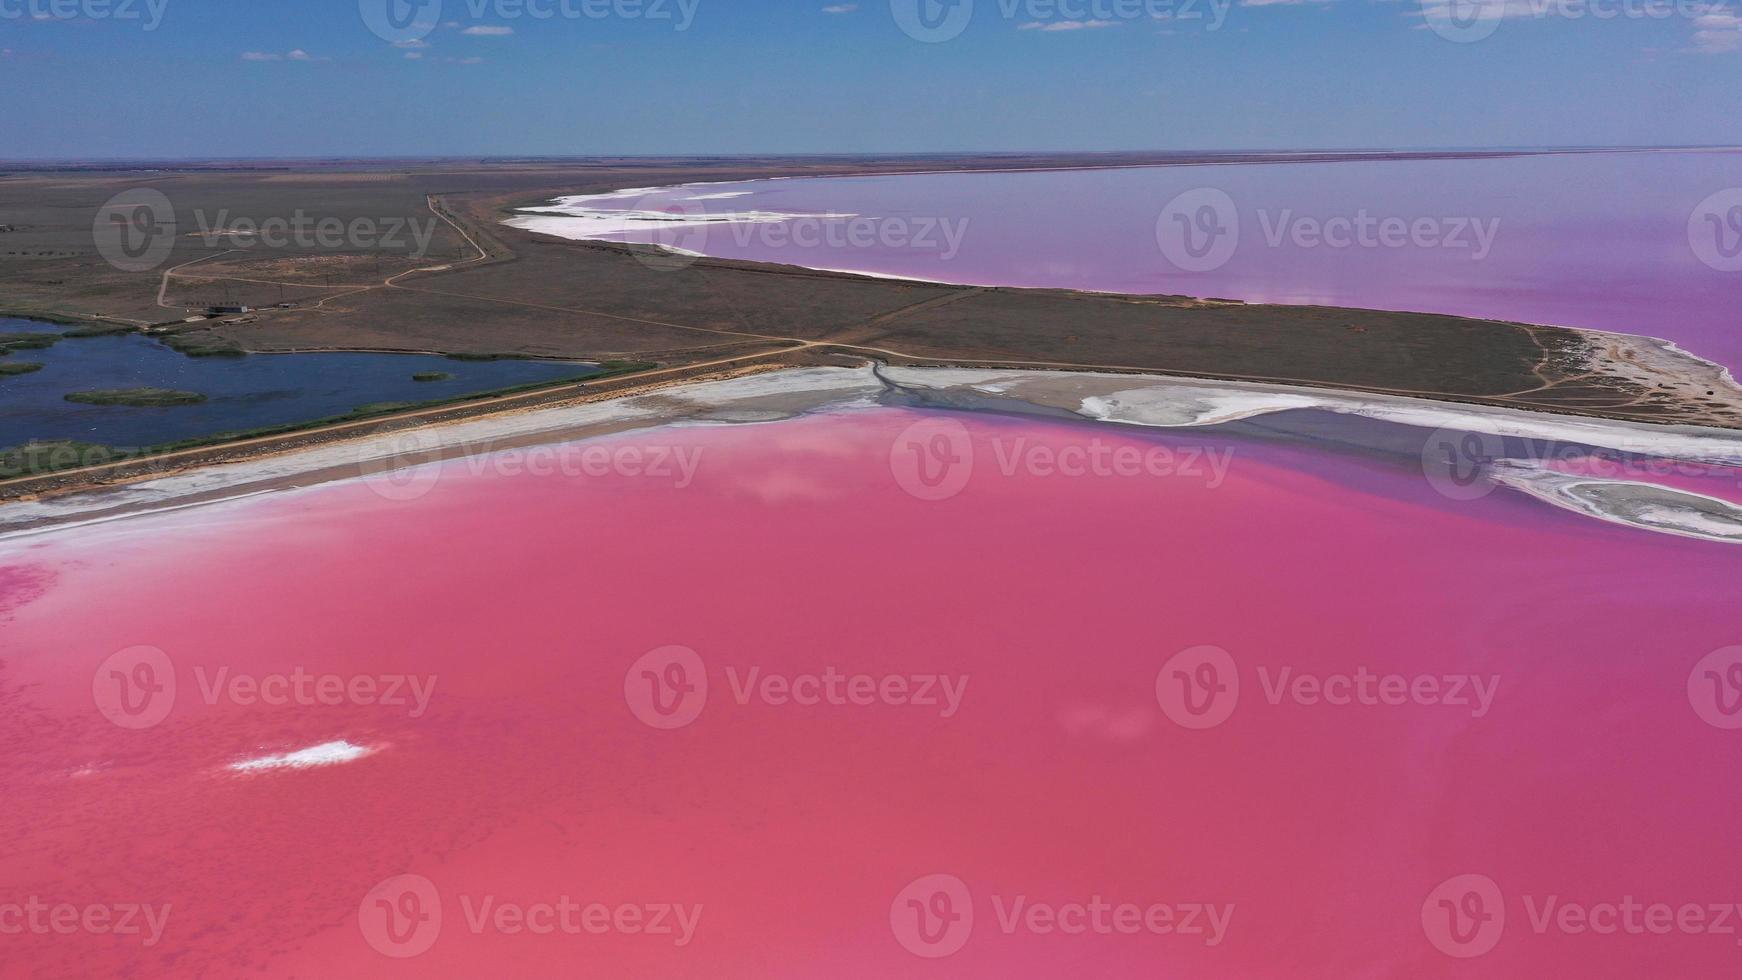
1635,503
1166,408
1163,401
327,754
583,219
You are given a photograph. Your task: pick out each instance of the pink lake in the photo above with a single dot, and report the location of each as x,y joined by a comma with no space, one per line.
1558,754
1636,242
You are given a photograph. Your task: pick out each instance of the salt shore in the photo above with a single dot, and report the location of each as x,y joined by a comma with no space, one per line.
613,217
395,455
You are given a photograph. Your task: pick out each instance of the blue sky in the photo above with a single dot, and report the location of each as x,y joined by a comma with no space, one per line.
89,78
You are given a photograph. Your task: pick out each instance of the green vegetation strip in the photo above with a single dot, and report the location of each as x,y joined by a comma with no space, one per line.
432,376
10,342
42,458
137,397
201,345
100,330
21,367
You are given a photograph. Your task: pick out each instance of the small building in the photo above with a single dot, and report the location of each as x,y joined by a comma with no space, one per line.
227,309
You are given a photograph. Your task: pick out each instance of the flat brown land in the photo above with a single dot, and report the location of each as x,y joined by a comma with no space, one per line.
479,287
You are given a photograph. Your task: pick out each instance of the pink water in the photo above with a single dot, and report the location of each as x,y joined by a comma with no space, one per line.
1638,242
1595,773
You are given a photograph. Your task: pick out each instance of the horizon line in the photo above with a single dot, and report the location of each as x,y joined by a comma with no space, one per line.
847,154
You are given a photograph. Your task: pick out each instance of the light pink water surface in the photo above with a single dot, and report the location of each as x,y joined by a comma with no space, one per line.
1636,242
1596,775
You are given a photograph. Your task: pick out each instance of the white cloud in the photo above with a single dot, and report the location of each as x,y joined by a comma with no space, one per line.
1718,32
413,43
488,30
296,55
413,55
1067,25
1444,10
1717,28
840,8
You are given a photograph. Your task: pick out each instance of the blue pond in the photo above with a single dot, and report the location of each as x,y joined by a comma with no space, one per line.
253,392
